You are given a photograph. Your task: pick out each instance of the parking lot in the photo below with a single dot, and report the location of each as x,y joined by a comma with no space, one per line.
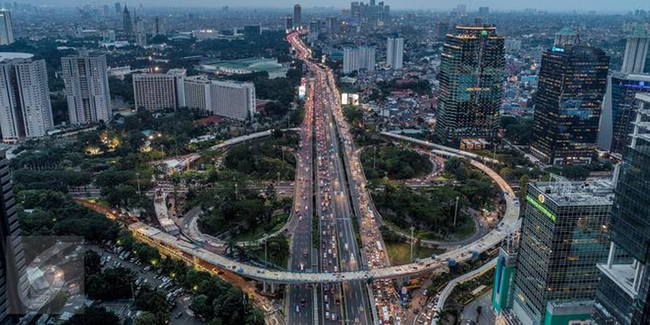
180,313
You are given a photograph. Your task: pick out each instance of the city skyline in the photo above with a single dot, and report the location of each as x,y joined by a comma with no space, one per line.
472,6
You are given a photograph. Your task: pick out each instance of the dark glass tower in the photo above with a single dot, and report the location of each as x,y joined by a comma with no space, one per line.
12,259
471,84
619,110
127,23
623,293
563,237
572,83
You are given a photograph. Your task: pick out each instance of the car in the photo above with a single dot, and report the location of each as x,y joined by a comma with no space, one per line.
180,313
297,309
302,302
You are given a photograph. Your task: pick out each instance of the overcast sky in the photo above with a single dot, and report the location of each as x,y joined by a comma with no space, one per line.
551,5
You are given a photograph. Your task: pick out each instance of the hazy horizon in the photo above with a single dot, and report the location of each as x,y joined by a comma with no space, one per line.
549,5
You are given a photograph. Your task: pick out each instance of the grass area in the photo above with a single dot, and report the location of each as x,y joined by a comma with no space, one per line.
282,261
400,252
258,232
466,229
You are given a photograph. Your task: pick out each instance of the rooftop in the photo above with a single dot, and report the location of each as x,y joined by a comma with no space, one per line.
14,55
600,192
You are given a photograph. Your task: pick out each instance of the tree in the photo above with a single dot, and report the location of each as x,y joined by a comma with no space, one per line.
151,300
146,318
200,305
94,316
92,262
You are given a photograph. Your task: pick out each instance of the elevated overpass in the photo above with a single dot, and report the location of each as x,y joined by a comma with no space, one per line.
192,253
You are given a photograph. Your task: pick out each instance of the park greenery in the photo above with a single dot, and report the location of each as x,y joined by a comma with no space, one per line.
266,158
51,213
432,210
394,162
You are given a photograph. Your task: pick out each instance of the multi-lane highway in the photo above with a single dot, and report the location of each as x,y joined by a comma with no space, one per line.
301,298
339,265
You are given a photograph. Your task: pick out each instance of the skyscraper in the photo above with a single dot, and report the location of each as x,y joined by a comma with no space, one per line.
25,109
288,22
563,237
159,26
395,52
620,105
471,90
118,8
624,290
297,15
127,23
619,110
6,28
636,52
568,102
86,88
566,36
13,280
355,59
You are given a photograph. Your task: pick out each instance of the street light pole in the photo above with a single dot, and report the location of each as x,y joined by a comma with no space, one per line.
456,211
266,238
412,242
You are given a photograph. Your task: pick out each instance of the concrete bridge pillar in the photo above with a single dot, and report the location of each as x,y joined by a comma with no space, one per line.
265,286
274,287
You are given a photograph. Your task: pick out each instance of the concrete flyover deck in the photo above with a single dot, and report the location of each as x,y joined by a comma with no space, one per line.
193,253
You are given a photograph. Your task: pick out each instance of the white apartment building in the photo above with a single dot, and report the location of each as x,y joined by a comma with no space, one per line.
86,88
395,53
223,98
25,108
358,58
157,91
6,28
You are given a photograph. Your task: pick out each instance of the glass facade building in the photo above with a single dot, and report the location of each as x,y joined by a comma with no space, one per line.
563,237
619,110
471,84
572,83
623,292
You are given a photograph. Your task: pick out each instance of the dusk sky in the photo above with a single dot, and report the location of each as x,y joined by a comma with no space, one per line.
551,5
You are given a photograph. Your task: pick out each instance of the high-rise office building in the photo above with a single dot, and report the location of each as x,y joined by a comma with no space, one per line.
619,110
13,279
566,36
563,237
619,105
624,290
234,100
86,88
127,23
156,91
636,52
483,11
442,28
358,58
395,52
159,26
333,25
471,84
118,8
505,272
288,22
6,28
297,15
568,102
25,109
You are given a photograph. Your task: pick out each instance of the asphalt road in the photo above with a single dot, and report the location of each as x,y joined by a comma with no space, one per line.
301,298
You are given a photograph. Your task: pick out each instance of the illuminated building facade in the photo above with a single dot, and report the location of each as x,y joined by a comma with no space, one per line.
471,84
